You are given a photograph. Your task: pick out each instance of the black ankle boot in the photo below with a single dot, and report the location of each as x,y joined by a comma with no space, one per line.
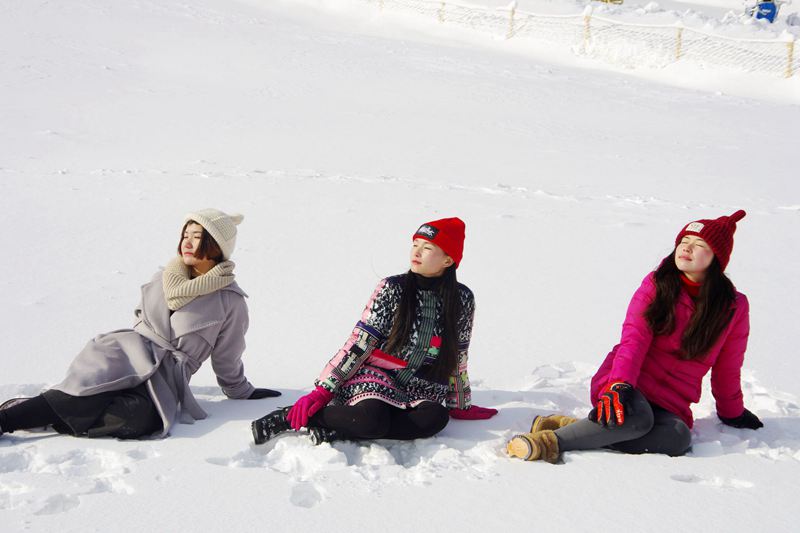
270,425
12,402
320,435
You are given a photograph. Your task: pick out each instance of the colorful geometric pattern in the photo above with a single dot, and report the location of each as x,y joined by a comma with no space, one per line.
352,378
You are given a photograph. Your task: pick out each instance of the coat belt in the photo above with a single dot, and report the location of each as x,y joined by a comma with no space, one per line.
182,371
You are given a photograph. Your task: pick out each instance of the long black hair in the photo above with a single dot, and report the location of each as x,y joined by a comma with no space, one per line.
714,307
447,361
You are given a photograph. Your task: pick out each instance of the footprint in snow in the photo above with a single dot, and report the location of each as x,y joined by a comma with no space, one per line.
64,478
244,459
716,481
58,503
16,461
307,495
10,495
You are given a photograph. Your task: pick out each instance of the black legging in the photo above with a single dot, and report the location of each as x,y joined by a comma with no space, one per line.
125,414
648,428
374,419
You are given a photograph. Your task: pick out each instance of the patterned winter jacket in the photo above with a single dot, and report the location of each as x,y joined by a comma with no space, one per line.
363,350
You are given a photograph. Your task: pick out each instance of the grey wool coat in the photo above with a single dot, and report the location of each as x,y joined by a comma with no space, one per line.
163,350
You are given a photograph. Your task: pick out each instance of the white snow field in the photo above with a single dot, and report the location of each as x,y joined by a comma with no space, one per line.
336,134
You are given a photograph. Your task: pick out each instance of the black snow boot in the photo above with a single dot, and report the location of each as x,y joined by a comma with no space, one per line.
320,435
270,425
12,402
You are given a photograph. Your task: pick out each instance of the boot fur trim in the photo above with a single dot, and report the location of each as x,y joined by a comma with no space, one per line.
552,422
542,445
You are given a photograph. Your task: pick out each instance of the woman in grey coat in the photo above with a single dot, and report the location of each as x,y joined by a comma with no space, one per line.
131,383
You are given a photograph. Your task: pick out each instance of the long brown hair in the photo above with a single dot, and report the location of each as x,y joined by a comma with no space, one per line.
447,361
714,307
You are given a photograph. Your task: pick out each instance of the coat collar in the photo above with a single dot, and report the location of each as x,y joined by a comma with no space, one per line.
234,287
155,313
199,314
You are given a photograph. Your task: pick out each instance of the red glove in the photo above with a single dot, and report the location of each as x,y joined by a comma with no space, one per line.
305,407
612,404
473,413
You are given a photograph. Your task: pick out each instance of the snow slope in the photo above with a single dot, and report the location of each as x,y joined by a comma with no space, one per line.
336,135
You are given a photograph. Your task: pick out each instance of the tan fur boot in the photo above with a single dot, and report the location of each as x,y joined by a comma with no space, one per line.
542,445
540,423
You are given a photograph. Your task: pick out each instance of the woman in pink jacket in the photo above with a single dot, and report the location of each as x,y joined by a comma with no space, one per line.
685,319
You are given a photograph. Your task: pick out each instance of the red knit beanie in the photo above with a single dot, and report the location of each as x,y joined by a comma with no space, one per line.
717,233
447,234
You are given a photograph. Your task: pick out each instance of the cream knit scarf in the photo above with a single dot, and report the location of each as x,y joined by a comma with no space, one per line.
180,289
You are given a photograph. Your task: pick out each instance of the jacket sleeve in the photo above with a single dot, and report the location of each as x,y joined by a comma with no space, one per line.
226,357
636,336
369,332
459,395
726,384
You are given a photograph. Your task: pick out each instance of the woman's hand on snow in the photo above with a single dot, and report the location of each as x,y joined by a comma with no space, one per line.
306,406
473,412
612,405
745,420
263,393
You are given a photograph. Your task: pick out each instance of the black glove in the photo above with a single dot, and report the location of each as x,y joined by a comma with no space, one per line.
612,405
263,393
745,420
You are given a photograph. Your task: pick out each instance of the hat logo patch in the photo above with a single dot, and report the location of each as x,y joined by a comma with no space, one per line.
697,227
428,231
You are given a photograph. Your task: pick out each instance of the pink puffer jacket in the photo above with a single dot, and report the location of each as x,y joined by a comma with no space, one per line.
649,362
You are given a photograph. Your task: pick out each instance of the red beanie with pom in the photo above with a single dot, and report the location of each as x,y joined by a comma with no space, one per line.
447,234
717,233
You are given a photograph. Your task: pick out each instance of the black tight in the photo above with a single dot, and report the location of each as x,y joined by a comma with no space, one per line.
374,419
125,414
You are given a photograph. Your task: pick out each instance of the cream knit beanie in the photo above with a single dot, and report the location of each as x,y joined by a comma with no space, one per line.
219,225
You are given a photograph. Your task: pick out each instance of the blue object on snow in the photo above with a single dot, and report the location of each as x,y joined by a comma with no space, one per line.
766,10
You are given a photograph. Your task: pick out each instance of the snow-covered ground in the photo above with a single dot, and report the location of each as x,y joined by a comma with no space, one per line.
336,135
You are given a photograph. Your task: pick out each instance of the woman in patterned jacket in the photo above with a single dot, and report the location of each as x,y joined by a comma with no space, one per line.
405,358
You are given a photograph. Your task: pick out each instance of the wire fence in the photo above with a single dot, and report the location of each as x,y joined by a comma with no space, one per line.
613,41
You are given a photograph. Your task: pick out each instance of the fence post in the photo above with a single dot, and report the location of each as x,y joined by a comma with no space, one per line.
587,26
441,14
790,58
679,43
510,33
